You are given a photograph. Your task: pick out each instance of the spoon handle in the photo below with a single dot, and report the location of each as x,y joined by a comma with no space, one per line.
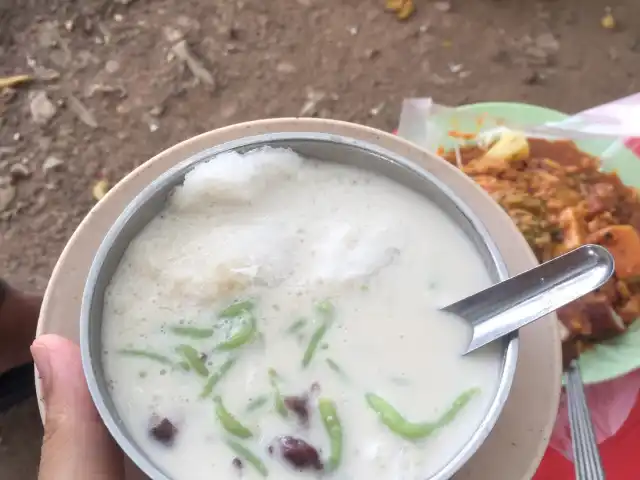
512,304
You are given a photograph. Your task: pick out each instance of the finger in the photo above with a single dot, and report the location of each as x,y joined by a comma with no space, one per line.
76,444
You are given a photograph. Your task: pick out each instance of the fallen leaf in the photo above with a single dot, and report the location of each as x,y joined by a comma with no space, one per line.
7,82
310,107
181,50
82,112
408,8
394,5
608,21
100,189
103,88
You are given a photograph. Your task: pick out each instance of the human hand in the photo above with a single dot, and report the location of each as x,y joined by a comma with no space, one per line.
76,444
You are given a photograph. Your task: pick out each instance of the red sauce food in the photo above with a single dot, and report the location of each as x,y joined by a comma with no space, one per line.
560,199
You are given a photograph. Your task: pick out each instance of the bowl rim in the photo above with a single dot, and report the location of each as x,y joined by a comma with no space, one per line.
174,176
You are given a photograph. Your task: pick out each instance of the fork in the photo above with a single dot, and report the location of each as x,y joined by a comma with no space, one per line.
586,457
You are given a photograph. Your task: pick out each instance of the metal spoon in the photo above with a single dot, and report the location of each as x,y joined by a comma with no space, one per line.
507,306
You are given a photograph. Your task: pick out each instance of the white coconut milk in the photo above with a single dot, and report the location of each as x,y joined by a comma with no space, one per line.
289,233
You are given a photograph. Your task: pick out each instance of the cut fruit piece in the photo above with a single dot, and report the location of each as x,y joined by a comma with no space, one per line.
623,242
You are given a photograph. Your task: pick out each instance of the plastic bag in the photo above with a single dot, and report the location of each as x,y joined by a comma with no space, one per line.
610,404
610,132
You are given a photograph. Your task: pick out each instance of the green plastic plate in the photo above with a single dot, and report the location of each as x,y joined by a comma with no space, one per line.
610,359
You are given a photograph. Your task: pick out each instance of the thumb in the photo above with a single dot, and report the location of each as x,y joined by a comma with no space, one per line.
76,444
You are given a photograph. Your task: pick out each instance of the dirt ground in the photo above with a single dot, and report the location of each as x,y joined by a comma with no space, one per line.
117,81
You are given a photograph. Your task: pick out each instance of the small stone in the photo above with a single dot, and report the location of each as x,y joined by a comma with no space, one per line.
353,30
48,35
7,92
234,33
501,56
52,164
112,66
532,78
538,53
263,21
59,58
231,48
438,80
18,171
7,195
187,22
229,110
172,35
156,111
7,151
547,42
375,111
17,137
46,74
443,6
44,143
285,67
371,53
42,109
118,17
87,24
